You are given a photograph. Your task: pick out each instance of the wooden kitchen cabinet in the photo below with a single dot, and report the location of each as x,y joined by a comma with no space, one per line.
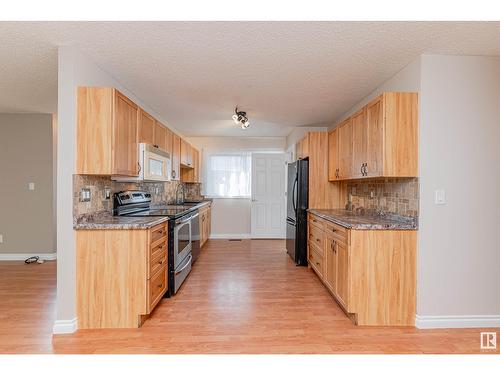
371,273
106,132
322,193
176,157
160,136
186,154
333,155
169,138
192,174
380,140
205,223
345,150
359,139
121,275
146,128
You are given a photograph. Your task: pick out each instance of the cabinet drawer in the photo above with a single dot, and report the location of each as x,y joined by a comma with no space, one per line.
157,262
158,248
316,221
316,236
316,260
157,287
338,232
158,232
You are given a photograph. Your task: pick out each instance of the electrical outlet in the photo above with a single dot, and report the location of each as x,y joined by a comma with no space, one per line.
85,195
31,186
107,193
440,196
1,238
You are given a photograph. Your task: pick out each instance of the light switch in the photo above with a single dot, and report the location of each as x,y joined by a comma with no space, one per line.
1,238
440,196
31,186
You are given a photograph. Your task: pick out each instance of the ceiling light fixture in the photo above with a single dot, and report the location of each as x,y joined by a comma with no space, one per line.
240,118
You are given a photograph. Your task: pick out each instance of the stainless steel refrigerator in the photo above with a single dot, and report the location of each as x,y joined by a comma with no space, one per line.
296,208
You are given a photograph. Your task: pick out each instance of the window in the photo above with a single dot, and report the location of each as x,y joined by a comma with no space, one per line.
228,175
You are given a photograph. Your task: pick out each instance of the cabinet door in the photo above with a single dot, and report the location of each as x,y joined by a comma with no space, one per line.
169,139
359,142
375,137
186,156
331,264
176,157
196,165
160,136
345,149
125,154
333,155
146,128
342,281
209,221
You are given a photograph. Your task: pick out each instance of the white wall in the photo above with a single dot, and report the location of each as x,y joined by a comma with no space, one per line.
298,133
459,251
231,216
74,69
406,80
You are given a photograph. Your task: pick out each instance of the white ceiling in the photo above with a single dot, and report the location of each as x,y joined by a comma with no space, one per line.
284,74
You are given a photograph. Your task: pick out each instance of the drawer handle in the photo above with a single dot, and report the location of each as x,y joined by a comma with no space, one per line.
317,239
161,261
317,263
334,230
160,286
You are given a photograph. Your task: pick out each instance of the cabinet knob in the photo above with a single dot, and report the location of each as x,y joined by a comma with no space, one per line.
160,285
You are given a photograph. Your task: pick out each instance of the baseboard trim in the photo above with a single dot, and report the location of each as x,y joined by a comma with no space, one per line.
62,327
457,321
43,256
225,236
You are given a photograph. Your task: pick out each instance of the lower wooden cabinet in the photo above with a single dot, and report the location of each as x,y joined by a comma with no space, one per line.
205,223
121,275
371,273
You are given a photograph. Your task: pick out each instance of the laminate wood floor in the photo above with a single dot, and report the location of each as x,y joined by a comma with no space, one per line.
241,297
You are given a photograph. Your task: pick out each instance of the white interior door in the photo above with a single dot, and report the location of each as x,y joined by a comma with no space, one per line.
268,191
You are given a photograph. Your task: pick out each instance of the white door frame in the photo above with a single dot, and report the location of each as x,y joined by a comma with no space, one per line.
268,204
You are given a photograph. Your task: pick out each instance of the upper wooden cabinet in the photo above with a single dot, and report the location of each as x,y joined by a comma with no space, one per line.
186,154
380,140
302,147
333,155
146,128
160,137
192,173
344,149
176,157
106,132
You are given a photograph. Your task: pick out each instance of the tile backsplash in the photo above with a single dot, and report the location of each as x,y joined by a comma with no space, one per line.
161,192
397,195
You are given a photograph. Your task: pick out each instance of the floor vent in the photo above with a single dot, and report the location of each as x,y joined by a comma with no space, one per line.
234,239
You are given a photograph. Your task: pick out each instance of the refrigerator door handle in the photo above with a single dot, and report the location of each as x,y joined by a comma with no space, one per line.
293,195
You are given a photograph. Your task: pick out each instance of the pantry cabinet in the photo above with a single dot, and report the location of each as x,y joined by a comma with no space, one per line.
380,140
106,132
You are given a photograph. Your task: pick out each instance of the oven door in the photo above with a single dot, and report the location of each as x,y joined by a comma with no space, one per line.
182,240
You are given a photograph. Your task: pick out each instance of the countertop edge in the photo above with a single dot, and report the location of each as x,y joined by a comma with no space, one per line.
363,226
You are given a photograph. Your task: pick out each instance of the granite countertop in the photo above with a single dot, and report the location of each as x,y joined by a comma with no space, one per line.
108,221
367,221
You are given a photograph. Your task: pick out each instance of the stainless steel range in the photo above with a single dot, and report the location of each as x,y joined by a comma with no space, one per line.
183,228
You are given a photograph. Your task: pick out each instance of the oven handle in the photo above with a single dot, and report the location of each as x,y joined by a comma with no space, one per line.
186,265
186,220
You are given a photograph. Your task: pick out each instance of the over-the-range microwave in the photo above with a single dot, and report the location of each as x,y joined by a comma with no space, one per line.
154,165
